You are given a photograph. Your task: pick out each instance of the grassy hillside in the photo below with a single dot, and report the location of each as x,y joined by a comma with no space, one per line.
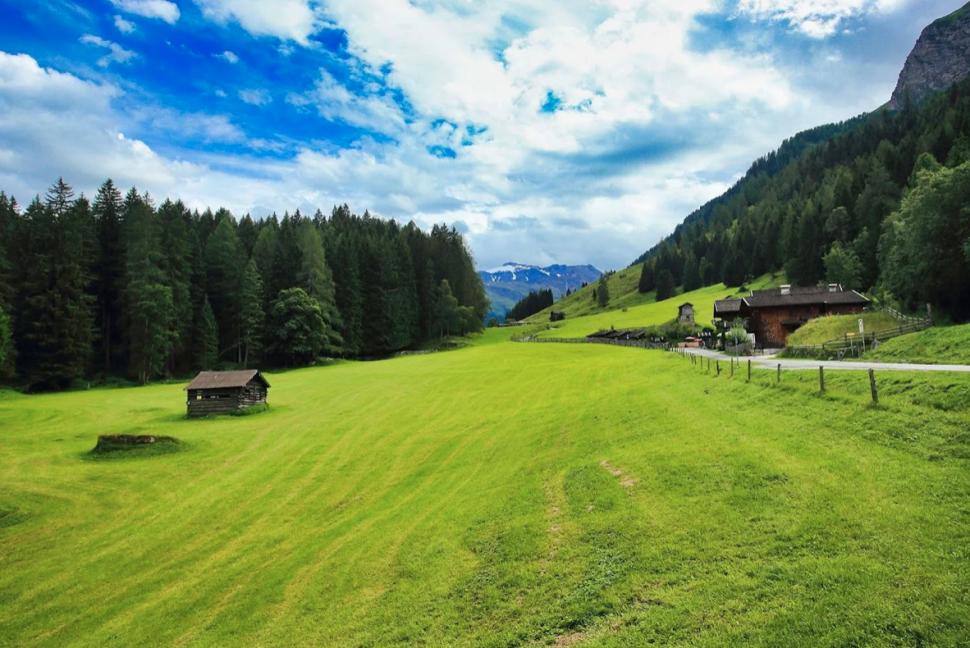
937,345
824,329
644,313
504,494
623,291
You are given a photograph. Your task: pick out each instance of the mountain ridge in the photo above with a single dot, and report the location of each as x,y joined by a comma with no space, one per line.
510,282
937,61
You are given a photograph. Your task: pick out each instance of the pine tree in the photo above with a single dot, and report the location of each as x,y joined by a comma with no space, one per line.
109,277
315,278
223,265
647,278
264,254
251,313
6,341
665,285
148,296
692,273
447,316
602,293
207,351
176,264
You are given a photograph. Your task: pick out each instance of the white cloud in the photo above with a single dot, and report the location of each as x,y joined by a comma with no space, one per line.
255,96
818,18
160,9
284,19
336,103
116,53
228,56
647,128
124,26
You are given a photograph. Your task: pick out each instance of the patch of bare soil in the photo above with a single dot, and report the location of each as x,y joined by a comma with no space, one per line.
626,481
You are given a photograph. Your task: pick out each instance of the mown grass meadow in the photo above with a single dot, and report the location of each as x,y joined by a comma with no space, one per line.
499,495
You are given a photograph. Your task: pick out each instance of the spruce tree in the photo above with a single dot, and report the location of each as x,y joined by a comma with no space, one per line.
109,277
176,263
148,296
647,278
223,263
251,313
447,316
315,278
6,341
602,293
207,349
665,285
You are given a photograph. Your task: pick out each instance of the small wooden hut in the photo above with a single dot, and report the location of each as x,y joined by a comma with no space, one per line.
221,392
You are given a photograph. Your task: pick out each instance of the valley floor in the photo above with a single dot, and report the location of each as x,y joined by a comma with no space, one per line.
503,494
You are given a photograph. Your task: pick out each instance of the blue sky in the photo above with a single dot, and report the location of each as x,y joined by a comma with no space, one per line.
571,132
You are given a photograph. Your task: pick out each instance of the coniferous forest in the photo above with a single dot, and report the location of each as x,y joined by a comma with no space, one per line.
531,304
877,203
120,287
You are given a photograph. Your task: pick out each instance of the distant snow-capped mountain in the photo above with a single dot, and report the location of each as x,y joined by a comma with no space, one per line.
510,282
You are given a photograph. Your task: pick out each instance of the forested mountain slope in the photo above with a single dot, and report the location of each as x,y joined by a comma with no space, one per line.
875,203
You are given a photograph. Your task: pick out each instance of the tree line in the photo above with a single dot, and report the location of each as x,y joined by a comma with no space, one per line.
118,286
877,203
531,304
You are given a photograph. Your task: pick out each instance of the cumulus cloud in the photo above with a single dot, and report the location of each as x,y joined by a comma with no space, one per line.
116,53
124,26
255,96
819,18
160,9
334,101
572,131
284,19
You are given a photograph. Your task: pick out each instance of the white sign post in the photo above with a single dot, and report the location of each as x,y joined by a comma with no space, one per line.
862,332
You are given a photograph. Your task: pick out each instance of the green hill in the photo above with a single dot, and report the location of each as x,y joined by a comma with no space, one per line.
937,345
831,327
634,310
580,494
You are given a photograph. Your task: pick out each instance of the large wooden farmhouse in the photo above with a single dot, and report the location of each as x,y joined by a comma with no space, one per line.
773,314
221,392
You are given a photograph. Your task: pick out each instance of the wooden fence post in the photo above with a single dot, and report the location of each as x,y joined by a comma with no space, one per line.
732,367
779,373
821,379
872,387
749,370
718,366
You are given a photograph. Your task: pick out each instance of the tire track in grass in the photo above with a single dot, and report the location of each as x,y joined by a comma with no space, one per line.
226,559
303,580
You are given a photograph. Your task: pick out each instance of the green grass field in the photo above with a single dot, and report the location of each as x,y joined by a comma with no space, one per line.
499,495
831,327
937,345
648,313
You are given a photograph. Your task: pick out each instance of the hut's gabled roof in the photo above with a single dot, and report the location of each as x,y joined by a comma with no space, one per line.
797,296
727,307
226,379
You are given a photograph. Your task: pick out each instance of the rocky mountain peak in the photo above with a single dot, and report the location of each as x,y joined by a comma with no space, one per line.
940,59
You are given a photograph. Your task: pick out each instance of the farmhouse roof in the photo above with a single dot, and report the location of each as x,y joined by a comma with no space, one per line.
727,306
798,296
226,379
